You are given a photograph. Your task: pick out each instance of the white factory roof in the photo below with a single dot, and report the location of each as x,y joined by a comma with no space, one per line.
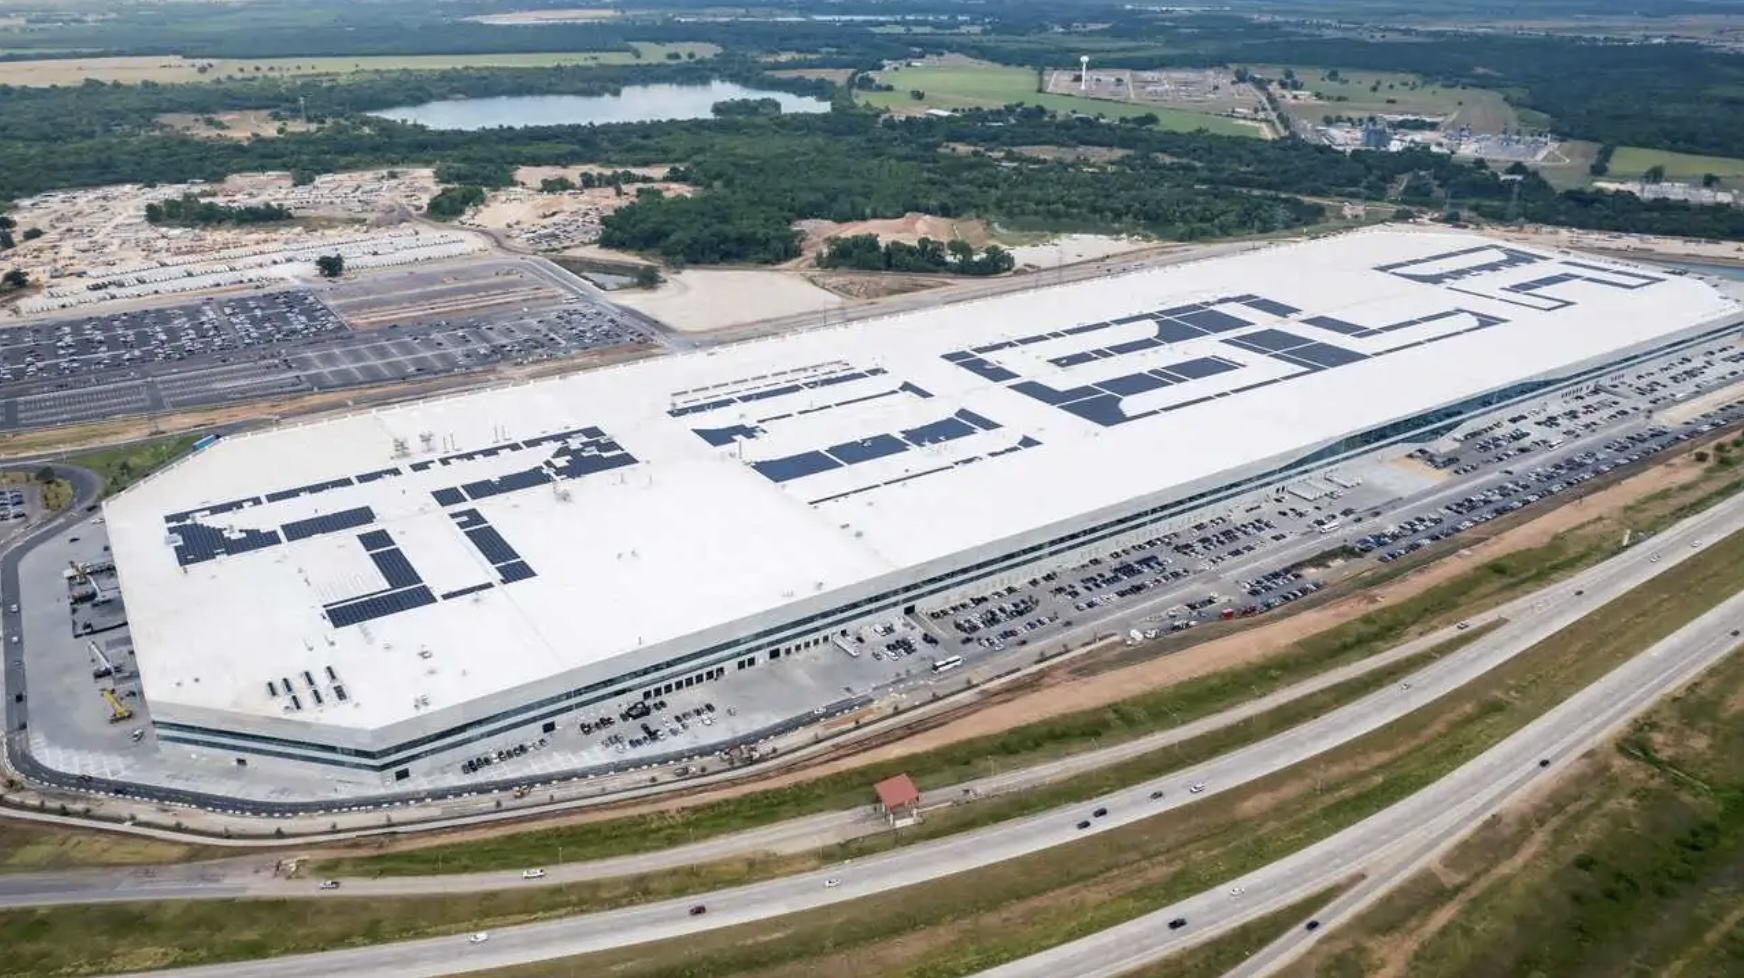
692,490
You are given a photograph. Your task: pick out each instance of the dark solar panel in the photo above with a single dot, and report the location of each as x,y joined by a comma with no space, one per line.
491,544
1091,328
1133,346
328,523
308,490
463,592
376,475
466,519
917,391
375,540
867,449
1175,331
1132,384
572,463
213,510
1337,325
1049,395
1270,306
516,571
395,569
987,371
977,420
1179,310
382,605
1103,409
511,482
448,496
1326,355
1072,359
773,392
197,543
726,436
679,412
1213,320
949,429
795,466
1200,367
1267,340
992,348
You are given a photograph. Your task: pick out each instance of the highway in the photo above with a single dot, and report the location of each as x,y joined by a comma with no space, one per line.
1392,845
1414,823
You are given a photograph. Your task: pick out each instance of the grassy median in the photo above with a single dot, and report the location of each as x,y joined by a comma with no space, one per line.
1632,865
1215,958
27,847
975,920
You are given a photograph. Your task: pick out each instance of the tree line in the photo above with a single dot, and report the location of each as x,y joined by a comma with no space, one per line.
863,252
190,210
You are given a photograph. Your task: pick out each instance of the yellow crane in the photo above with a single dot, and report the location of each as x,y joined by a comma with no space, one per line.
118,711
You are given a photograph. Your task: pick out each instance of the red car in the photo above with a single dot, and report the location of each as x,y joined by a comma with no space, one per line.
698,910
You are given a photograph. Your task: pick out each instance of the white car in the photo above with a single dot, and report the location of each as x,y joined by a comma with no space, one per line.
1236,891
478,938
533,874
1654,559
832,883
1464,625
1197,788
1694,544
1404,685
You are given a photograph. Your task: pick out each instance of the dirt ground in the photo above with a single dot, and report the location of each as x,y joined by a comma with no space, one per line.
873,285
698,300
909,228
239,126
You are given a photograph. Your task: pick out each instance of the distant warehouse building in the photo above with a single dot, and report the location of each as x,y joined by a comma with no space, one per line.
375,590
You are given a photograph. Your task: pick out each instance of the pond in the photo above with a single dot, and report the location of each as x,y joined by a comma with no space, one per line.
636,103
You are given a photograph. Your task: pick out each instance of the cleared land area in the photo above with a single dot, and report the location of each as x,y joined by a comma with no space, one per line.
1632,863
1363,93
975,920
1633,161
968,86
166,70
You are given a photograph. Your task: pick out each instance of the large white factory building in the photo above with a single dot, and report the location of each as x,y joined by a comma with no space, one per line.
377,589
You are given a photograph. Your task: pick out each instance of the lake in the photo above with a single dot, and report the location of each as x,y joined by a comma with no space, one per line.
636,103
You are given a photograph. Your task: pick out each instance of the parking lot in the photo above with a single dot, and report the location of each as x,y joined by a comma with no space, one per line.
1255,554
226,350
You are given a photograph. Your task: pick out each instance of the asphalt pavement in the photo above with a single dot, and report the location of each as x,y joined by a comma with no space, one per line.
1560,735
1391,846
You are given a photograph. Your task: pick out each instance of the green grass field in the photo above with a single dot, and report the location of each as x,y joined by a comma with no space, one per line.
1380,92
1629,162
991,86
122,466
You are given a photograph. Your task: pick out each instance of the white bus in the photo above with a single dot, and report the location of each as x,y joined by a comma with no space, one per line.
947,664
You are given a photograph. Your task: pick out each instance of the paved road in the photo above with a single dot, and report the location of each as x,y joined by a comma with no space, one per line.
1391,846
1572,729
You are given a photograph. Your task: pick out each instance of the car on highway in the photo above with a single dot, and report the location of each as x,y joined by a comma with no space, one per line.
533,874
1311,926
1462,626
1197,788
478,938
1544,762
1236,891
1098,813
698,910
1156,794
1653,558
832,883
329,885
1404,685
1084,824
1177,923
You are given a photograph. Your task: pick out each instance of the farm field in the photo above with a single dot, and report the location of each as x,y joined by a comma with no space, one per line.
169,70
1395,93
970,86
1632,161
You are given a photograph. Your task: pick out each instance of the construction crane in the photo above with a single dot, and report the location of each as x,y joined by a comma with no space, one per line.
105,668
117,710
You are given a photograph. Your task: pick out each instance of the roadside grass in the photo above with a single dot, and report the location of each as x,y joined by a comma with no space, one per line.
1215,958
1630,162
1484,586
975,920
124,465
1363,93
173,69
1632,864
992,86
29,847
971,920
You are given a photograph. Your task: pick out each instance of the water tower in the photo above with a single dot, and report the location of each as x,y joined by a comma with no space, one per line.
1083,73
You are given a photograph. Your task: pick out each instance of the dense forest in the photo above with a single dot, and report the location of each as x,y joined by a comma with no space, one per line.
191,211
760,171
